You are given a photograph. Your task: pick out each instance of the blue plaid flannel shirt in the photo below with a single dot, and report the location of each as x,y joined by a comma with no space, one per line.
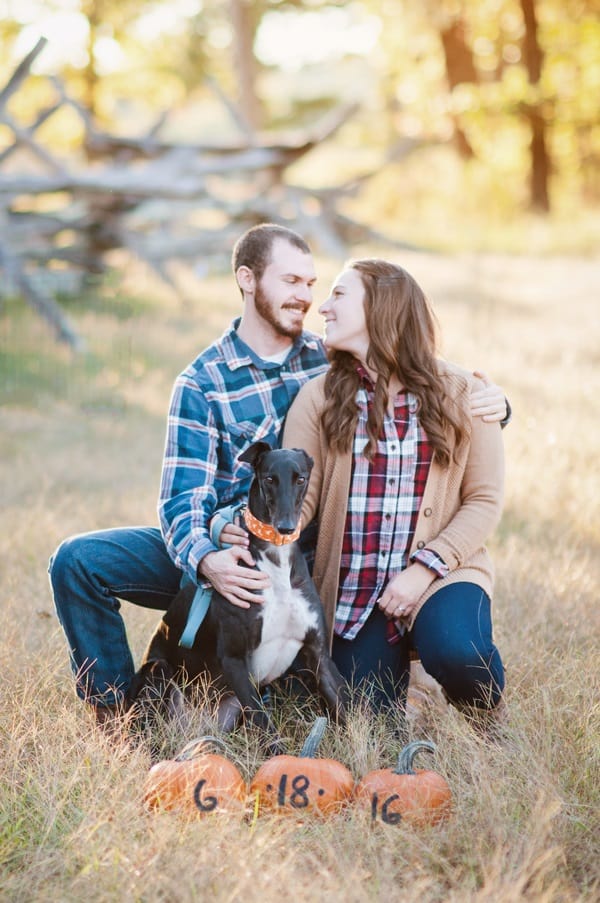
224,401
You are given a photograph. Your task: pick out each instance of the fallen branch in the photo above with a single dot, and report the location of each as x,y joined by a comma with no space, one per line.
21,73
42,302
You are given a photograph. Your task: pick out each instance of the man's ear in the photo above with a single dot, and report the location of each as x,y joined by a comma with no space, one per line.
246,279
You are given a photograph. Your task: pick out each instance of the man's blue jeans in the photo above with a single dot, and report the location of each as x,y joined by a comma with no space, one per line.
452,636
90,574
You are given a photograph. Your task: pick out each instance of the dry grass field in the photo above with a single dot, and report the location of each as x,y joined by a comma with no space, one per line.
81,444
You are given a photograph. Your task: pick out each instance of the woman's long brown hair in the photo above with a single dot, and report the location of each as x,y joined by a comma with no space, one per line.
402,341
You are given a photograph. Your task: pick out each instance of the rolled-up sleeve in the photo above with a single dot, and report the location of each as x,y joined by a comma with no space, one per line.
187,496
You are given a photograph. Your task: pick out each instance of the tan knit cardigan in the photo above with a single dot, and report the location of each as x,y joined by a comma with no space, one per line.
461,505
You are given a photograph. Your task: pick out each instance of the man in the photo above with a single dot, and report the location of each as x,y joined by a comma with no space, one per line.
234,393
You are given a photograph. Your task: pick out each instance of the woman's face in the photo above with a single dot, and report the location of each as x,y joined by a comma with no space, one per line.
344,313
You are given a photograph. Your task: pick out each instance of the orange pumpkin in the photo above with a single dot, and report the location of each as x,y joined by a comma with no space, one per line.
196,782
405,794
302,784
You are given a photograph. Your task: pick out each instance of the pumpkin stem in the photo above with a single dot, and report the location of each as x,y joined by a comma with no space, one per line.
311,744
407,755
197,747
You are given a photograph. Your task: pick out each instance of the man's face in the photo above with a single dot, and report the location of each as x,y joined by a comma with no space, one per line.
283,295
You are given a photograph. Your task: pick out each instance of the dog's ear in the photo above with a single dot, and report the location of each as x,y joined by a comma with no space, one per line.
308,461
253,452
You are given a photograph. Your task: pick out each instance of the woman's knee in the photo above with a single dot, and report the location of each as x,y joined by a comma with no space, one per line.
468,676
453,635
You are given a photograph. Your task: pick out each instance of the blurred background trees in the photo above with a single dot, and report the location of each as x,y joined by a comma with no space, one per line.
472,115
512,84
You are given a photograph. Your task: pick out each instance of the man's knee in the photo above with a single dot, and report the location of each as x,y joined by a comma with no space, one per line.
66,559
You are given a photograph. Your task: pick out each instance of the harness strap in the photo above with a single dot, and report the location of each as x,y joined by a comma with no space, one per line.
221,519
203,595
197,613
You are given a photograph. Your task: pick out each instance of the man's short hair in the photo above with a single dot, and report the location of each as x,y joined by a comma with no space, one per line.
253,248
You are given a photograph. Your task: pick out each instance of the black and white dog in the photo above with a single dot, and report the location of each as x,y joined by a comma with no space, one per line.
241,650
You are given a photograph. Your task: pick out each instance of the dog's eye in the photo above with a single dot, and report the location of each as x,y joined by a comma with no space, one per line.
269,480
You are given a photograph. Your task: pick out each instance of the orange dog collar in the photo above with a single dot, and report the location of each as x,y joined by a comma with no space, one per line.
267,532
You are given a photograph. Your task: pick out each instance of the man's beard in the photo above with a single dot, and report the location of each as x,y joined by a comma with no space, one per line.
265,309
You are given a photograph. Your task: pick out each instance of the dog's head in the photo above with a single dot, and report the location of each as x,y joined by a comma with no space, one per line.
280,482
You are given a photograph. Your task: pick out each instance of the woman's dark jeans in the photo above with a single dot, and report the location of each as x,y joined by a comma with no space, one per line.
452,635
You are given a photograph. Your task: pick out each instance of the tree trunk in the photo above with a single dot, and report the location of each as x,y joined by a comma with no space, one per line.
540,158
460,68
243,18
92,9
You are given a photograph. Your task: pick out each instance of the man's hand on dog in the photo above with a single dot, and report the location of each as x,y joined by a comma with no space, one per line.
233,574
234,535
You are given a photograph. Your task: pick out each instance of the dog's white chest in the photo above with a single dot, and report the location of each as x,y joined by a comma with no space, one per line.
287,617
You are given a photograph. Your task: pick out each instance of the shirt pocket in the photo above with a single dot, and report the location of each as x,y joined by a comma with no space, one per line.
242,435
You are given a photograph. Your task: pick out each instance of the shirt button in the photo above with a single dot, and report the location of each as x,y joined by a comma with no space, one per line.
388,516
427,512
420,544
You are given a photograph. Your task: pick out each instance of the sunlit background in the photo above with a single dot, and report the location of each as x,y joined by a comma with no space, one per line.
157,131
500,96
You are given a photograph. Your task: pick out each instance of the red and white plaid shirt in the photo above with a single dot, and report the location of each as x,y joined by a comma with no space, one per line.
383,505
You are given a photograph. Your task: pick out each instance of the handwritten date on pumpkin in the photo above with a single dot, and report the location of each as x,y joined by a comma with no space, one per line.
380,810
296,795
207,803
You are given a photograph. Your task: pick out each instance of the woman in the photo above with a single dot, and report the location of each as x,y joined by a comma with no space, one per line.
406,486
